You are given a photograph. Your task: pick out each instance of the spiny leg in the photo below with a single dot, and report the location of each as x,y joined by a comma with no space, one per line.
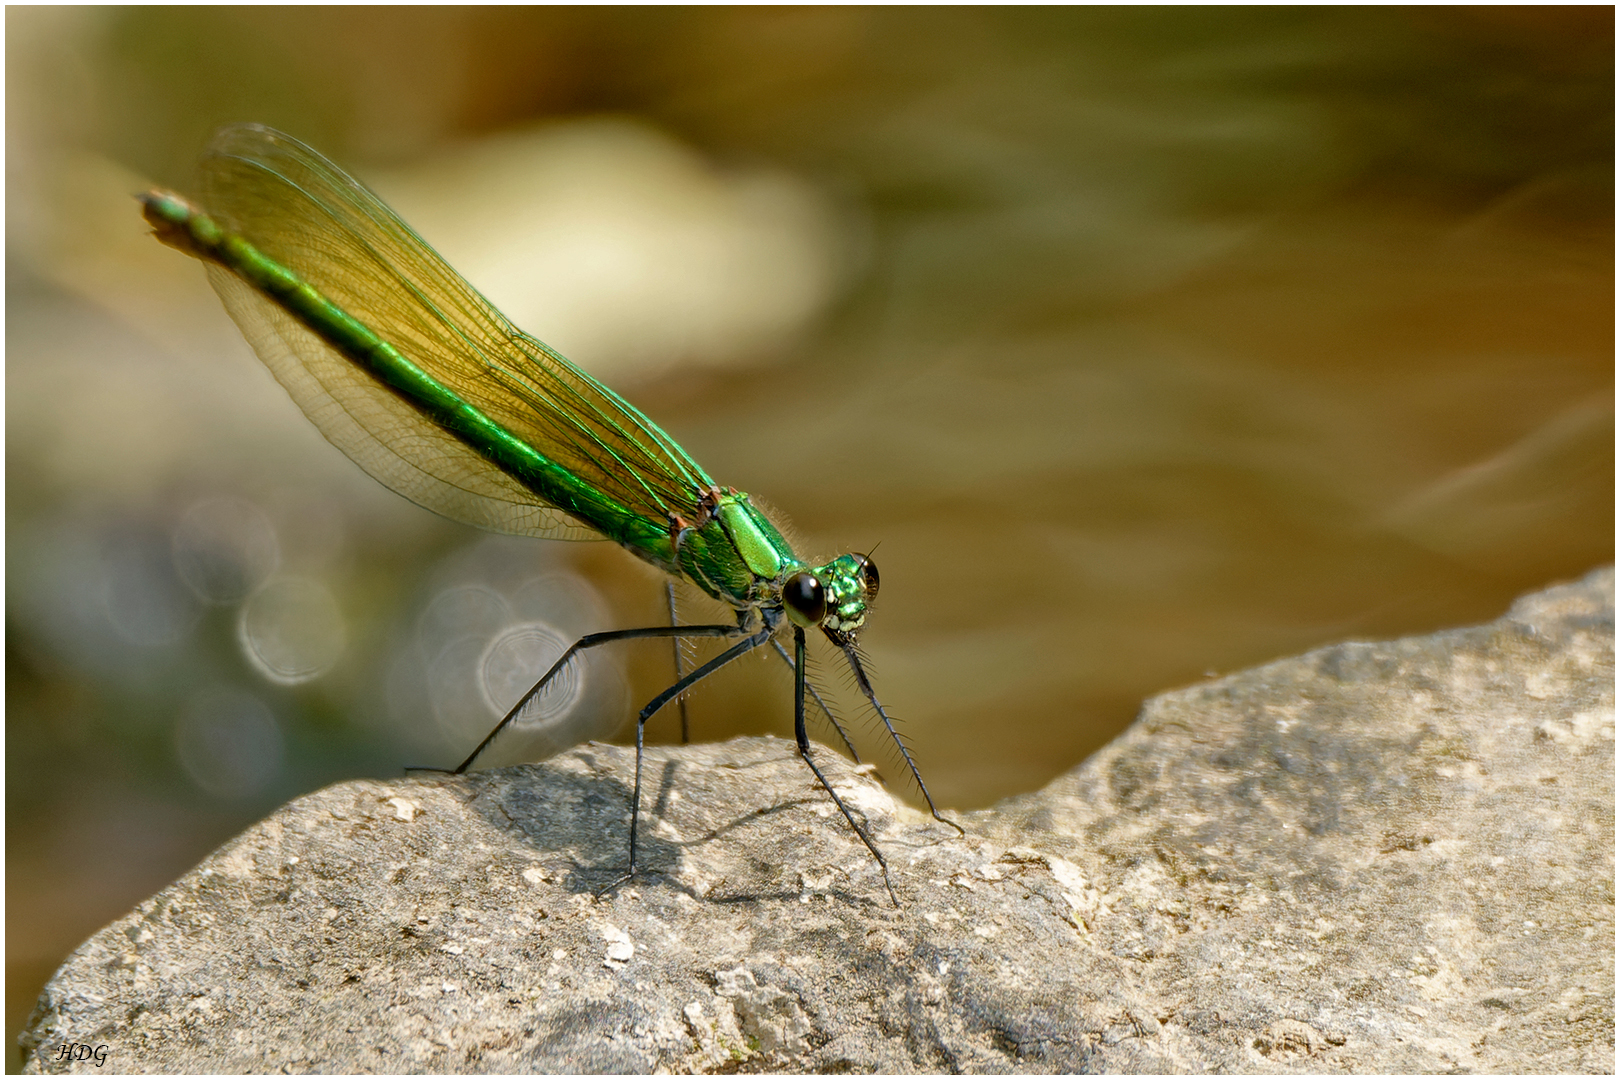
803,738
752,642
587,642
820,704
866,688
680,660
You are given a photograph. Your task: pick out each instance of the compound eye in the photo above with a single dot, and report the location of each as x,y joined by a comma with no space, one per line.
869,575
805,599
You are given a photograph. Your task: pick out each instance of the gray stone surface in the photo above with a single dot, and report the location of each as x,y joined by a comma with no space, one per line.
1375,857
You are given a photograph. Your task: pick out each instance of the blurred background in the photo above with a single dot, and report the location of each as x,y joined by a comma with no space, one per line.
1142,344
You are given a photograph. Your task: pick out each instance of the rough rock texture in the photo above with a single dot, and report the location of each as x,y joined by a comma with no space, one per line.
1374,857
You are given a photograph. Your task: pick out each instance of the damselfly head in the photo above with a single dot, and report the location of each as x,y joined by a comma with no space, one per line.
834,597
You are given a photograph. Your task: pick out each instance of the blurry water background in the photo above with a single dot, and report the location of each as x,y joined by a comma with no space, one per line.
1141,343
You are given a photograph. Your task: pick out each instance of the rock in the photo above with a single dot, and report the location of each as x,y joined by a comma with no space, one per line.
1387,857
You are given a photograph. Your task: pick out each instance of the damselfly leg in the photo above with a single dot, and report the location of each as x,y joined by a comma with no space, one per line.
752,642
803,739
854,658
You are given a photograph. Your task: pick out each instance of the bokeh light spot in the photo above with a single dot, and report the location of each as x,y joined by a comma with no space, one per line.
229,743
224,549
292,630
516,660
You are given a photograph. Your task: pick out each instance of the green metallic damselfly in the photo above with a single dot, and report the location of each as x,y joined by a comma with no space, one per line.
410,372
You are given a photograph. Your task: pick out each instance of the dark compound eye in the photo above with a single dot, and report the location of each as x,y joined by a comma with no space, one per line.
869,574
805,598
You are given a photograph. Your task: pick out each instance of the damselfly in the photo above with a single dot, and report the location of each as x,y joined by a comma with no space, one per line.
410,372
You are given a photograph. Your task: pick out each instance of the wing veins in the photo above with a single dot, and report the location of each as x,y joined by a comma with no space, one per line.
352,234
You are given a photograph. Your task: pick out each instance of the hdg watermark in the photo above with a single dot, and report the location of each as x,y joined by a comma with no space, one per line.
82,1052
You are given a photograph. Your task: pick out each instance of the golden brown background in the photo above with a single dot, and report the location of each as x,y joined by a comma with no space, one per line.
1146,343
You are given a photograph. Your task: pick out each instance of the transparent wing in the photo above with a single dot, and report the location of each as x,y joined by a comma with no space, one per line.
306,213
380,432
